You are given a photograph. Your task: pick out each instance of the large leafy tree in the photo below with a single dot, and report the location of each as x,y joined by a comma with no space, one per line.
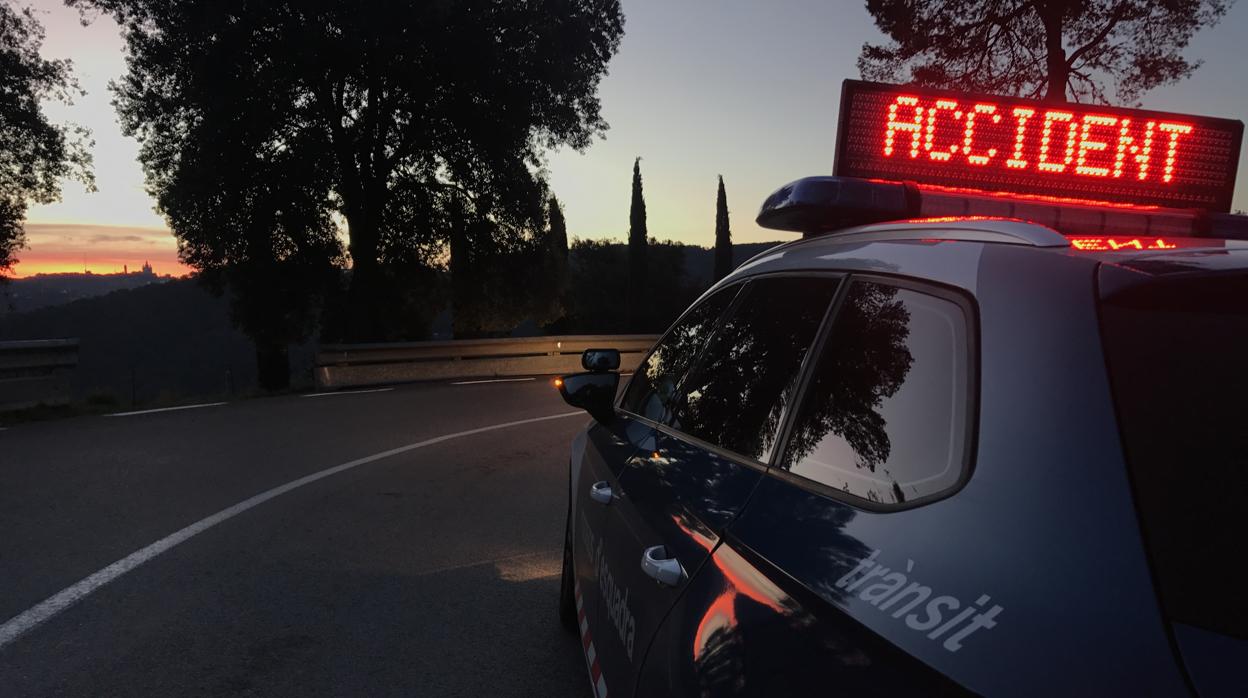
35,153
429,119
1056,49
254,222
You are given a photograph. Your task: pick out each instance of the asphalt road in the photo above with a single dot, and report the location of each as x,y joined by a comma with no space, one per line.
429,572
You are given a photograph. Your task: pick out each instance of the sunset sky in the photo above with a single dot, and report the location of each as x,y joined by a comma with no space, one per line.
741,88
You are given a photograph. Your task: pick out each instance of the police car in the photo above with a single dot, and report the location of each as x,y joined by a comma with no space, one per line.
979,431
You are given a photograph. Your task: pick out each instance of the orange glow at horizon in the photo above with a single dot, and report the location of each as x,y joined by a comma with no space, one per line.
29,265
26,271
56,248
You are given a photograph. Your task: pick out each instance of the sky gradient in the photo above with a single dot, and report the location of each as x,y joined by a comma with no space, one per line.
700,88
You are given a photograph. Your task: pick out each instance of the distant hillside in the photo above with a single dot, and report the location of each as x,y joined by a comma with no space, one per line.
170,339
700,261
159,341
45,290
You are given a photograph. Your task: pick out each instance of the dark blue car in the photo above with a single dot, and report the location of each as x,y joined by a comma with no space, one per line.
951,456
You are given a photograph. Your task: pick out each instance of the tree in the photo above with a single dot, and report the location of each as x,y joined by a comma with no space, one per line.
502,276
723,236
431,119
252,221
557,241
598,278
637,276
35,154
1038,48
557,261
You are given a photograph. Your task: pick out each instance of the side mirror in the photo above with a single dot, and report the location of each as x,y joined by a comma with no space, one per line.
600,359
592,392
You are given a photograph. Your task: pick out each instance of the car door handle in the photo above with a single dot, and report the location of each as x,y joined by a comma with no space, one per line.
665,569
601,492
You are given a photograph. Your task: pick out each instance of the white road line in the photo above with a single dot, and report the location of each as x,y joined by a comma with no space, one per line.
349,392
164,409
494,380
31,618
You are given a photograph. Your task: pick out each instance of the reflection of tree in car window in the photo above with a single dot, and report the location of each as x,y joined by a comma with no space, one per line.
884,416
736,396
864,361
650,392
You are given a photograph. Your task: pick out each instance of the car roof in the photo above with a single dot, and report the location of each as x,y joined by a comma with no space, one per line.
948,250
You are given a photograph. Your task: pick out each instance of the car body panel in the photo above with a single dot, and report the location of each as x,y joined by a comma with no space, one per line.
606,449
743,628
1044,528
679,496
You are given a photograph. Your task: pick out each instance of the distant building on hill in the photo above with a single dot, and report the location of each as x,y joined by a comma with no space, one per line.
44,290
145,272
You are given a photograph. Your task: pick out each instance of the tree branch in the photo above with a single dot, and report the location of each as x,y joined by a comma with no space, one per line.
1117,16
327,101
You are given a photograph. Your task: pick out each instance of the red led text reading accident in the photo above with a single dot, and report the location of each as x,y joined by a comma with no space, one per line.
999,144
1056,141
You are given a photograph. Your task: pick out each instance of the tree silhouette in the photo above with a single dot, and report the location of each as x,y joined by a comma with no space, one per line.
557,262
35,154
253,222
723,236
557,240
637,240
428,119
597,280
1037,48
504,271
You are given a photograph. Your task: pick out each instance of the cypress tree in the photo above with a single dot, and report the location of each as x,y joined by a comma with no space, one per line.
558,240
636,254
557,252
723,236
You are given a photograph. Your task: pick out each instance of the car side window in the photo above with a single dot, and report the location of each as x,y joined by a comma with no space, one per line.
650,391
884,417
736,396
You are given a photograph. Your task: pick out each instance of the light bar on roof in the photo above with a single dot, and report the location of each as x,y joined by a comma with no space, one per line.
1012,146
816,205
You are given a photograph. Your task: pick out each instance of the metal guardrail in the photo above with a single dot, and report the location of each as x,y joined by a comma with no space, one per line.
35,372
359,365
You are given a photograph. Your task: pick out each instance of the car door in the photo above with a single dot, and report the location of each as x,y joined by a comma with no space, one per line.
607,447
721,424
787,602
610,447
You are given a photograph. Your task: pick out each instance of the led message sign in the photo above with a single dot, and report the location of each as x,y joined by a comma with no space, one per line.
1018,146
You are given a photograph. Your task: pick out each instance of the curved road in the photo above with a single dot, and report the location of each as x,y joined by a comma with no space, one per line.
431,568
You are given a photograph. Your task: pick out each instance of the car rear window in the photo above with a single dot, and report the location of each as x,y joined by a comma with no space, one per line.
1177,353
885,416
